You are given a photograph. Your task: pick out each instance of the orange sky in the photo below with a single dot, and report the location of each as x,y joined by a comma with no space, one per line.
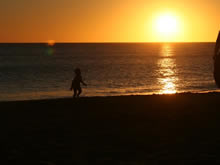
105,20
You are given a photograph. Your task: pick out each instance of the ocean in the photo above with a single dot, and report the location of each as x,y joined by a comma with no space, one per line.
40,71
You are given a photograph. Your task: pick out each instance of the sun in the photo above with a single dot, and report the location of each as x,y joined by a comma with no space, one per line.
166,27
167,24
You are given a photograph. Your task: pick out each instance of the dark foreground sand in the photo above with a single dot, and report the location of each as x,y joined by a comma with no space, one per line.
130,130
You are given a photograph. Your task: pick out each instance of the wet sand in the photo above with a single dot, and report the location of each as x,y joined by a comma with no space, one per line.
157,129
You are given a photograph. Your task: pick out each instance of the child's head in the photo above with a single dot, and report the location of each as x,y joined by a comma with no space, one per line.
77,71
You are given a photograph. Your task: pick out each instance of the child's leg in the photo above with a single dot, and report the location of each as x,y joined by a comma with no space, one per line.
75,92
79,92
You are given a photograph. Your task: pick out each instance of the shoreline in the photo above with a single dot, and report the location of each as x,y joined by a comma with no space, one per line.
115,96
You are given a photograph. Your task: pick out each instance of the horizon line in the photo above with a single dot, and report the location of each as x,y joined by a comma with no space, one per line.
102,42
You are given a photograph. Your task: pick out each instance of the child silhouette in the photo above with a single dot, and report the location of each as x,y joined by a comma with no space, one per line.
76,83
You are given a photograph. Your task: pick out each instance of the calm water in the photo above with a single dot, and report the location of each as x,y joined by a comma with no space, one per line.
35,71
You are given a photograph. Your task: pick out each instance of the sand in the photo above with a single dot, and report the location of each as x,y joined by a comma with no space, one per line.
157,129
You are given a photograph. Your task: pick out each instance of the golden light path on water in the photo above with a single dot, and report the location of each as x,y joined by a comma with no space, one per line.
167,71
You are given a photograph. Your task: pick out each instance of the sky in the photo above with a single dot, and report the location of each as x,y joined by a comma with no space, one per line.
106,20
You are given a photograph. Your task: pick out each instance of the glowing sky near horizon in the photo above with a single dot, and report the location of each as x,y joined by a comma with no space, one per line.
106,20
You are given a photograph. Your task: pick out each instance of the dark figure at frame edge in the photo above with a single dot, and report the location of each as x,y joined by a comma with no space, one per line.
217,61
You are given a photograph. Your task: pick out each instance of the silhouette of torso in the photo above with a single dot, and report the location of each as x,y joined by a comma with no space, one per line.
76,81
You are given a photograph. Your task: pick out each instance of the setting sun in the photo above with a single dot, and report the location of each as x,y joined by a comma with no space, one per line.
166,27
167,24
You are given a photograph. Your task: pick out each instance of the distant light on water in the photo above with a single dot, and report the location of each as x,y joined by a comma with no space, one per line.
167,69
50,50
50,42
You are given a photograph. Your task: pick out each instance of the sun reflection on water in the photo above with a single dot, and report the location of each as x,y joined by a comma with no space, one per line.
167,71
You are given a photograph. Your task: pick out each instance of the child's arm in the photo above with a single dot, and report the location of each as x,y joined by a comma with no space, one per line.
82,82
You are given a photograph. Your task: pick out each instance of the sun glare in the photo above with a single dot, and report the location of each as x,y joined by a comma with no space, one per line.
166,27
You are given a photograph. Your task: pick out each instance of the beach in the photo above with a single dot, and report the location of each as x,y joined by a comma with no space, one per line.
153,129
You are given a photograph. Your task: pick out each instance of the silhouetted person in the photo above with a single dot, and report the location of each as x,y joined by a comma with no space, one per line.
76,83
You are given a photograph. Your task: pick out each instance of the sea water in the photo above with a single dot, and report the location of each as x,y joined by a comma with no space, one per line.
39,71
